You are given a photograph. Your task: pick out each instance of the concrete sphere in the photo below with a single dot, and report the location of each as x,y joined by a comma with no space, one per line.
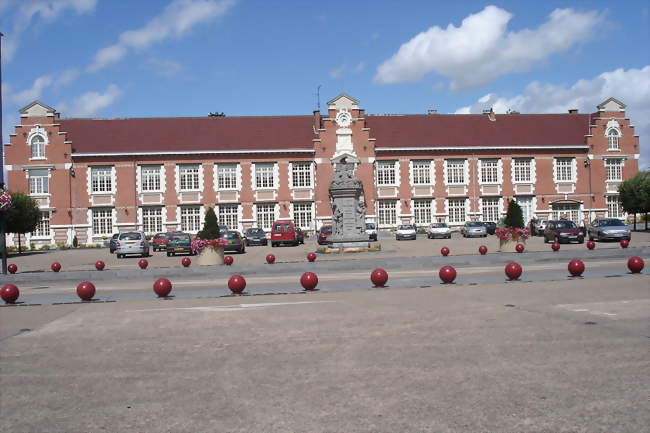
309,281
520,248
591,245
576,267
635,264
513,271
236,283
483,250
12,268
9,293
379,277
99,265
143,263
270,259
56,267
447,274
624,243
85,290
228,260
555,246
311,257
186,262
444,251
162,287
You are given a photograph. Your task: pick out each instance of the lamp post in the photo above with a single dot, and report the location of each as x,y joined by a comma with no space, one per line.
3,239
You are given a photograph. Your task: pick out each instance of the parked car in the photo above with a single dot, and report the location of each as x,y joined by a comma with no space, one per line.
473,228
112,245
438,230
608,228
490,227
179,243
234,241
284,232
159,241
405,231
538,227
132,243
371,231
323,234
563,231
255,236
223,228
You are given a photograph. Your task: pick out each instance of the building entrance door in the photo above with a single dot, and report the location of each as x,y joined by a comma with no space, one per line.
569,211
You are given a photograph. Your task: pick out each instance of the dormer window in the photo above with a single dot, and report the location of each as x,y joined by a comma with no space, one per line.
612,139
37,144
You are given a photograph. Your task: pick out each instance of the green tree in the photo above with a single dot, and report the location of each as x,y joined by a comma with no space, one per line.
210,226
23,216
514,216
634,194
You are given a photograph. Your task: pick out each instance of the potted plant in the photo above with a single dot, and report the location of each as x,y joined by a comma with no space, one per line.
513,231
207,244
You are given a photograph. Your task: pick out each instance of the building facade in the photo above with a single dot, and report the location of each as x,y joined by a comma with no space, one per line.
95,177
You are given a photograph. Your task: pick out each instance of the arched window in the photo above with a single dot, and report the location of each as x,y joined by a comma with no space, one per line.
38,147
612,139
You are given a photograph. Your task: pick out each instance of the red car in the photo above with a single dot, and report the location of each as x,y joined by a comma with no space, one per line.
285,232
323,234
159,241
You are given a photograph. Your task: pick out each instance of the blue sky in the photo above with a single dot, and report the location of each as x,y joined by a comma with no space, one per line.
117,58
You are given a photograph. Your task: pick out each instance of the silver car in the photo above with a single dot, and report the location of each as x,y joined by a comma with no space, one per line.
608,228
473,228
132,243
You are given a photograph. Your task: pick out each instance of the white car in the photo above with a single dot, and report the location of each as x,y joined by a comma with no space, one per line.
438,230
405,231
371,231
132,243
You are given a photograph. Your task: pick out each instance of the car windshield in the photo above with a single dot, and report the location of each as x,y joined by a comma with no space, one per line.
282,228
230,235
252,232
438,225
180,237
405,227
611,223
370,226
131,236
326,229
161,236
475,224
565,225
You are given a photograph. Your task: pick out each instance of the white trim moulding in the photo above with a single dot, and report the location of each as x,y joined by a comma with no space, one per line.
391,149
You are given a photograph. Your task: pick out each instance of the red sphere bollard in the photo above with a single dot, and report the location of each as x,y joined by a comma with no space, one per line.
447,274
520,248
12,268
143,263
270,259
591,245
162,287
236,284
228,260
624,243
513,271
555,246
311,257
309,281
86,290
444,251
635,264
379,277
576,267
56,266
9,293
482,250
186,262
99,265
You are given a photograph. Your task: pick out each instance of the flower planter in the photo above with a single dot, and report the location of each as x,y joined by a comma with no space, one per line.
210,256
508,245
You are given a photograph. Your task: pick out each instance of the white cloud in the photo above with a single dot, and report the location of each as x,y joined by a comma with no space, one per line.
360,67
338,72
179,17
33,93
631,86
482,49
35,10
66,77
91,103
165,67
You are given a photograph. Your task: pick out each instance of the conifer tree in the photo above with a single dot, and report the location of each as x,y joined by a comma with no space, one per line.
210,226
514,216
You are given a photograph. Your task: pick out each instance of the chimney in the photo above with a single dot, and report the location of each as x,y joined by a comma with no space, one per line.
432,111
573,111
490,114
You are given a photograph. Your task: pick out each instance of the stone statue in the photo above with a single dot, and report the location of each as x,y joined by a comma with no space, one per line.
348,206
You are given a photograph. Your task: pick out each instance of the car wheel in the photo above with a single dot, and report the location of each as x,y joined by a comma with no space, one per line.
169,254
273,244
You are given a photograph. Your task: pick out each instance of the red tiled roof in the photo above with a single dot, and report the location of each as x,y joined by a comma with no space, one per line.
189,134
474,130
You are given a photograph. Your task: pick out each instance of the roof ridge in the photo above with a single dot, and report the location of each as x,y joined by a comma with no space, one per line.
189,117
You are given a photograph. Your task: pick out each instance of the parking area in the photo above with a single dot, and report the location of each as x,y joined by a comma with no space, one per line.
83,259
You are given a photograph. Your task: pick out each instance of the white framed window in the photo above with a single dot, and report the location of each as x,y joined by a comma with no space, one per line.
455,171
264,178
387,212
265,215
614,209
152,221
490,209
188,175
226,176
37,144
422,211
385,173
421,172
614,168
190,218
101,179
229,215
301,174
456,210
102,221
522,169
150,178
489,171
612,139
564,169
569,211
302,214
42,229
39,181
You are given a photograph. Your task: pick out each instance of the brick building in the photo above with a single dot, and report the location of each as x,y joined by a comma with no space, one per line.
94,177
